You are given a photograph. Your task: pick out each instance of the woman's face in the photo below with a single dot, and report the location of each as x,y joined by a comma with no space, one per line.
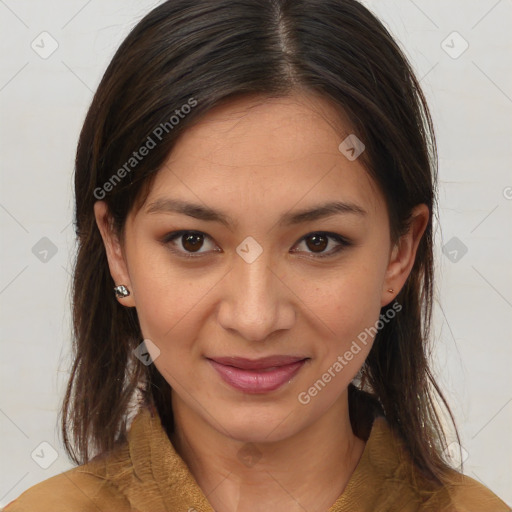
259,277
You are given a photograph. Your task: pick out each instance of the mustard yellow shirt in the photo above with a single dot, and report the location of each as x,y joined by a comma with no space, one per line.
146,474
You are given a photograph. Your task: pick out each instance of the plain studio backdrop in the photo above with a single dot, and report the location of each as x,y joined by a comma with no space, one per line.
53,56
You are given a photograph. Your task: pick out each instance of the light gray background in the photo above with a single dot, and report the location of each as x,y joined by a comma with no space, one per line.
43,102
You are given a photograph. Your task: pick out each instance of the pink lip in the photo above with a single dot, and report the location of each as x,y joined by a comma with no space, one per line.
257,375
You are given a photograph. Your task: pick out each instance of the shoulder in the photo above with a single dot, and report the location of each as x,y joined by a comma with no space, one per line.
467,495
409,490
81,489
457,493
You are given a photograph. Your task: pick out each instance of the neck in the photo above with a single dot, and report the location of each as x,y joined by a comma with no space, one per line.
307,471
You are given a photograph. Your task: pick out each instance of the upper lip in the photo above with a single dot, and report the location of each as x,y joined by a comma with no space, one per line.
257,364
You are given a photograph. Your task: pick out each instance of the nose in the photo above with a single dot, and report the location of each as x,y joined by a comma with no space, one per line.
255,301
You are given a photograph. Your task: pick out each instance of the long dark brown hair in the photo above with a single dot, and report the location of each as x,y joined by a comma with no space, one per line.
202,52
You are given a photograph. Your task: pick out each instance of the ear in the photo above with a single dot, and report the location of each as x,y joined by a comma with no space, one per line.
114,250
403,254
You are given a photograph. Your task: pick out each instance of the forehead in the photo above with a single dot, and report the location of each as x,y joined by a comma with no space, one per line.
260,131
266,153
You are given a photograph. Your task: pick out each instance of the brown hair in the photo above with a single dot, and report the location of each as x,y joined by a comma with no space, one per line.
208,51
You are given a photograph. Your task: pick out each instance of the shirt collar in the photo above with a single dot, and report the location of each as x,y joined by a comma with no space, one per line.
152,475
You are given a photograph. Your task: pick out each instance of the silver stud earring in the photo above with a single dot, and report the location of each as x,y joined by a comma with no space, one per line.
121,291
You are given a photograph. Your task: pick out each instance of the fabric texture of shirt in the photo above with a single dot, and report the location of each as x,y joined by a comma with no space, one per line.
146,474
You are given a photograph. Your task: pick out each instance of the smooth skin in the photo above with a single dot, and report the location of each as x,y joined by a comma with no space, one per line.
255,159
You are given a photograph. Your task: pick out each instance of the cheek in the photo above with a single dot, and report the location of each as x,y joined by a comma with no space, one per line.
348,300
170,313
346,307
171,310
166,299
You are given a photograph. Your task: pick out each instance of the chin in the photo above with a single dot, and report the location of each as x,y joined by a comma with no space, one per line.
254,424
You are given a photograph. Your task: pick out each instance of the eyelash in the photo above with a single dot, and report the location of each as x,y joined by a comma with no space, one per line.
170,237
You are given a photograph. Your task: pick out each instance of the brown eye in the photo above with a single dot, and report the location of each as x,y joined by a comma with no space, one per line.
192,242
189,244
317,242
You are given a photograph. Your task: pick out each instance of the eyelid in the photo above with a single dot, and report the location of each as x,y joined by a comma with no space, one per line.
170,237
342,241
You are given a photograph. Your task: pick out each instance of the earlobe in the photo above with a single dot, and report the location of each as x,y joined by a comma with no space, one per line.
403,254
115,256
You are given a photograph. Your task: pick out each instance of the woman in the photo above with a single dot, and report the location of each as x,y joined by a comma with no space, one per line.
255,185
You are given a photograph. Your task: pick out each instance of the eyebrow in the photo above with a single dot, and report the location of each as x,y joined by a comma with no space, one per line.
198,211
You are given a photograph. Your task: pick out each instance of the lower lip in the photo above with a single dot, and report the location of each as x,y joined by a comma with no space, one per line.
257,381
